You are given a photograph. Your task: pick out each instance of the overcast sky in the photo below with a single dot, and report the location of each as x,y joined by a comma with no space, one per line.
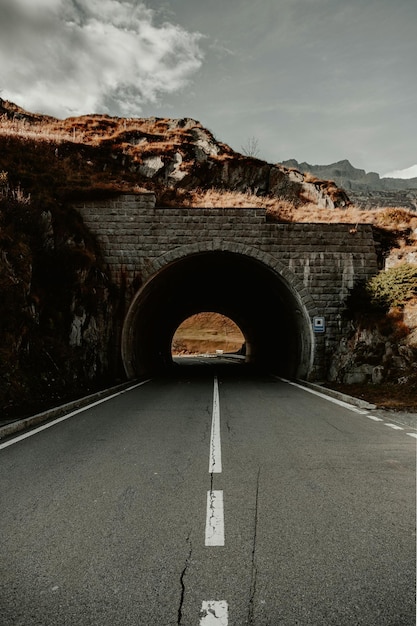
314,80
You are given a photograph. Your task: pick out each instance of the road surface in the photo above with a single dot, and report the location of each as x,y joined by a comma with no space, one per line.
217,496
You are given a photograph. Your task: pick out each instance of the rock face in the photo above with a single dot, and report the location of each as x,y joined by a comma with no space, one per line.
379,352
366,189
203,164
57,309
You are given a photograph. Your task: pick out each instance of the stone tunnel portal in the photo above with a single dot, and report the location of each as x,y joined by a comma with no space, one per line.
268,310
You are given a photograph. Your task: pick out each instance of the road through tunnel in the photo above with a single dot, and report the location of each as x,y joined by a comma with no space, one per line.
266,308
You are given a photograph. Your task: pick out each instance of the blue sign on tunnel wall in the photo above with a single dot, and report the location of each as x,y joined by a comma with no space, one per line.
319,324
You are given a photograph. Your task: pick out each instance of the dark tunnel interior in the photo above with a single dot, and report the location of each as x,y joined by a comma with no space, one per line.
267,310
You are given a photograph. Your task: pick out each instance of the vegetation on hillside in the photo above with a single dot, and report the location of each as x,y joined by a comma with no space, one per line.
91,154
381,340
394,287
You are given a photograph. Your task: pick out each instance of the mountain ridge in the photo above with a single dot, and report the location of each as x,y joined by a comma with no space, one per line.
366,189
345,170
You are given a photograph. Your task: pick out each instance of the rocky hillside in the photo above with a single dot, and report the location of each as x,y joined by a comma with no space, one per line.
377,358
58,309
365,189
101,154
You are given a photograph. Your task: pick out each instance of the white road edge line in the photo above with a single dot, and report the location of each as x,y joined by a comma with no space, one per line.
345,405
214,613
215,519
322,395
68,415
215,461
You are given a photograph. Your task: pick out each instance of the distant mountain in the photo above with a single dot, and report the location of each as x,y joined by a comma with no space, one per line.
349,177
363,188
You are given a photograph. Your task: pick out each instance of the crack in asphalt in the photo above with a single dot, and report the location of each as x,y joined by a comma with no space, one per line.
213,454
335,427
254,567
206,432
182,583
212,498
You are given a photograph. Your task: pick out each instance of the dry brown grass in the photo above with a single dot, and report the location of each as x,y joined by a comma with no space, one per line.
90,129
392,218
212,198
16,193
398,218
40,132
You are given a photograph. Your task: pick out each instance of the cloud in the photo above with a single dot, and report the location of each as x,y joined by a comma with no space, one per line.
68,57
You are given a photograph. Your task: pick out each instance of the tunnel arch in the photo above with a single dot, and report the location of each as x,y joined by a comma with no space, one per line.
258,292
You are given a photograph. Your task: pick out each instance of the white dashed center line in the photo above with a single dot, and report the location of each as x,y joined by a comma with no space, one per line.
214,613
215,514
215,461
215,519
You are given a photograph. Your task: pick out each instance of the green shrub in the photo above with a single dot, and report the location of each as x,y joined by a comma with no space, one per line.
393,287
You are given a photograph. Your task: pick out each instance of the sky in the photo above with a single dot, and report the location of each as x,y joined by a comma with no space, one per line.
315,80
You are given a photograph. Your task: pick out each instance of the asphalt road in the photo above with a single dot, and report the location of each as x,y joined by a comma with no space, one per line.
107,518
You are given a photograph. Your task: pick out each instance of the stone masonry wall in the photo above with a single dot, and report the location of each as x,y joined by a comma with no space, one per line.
320,261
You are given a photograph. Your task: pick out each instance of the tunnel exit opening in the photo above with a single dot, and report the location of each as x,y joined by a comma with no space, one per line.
209,333
268,310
